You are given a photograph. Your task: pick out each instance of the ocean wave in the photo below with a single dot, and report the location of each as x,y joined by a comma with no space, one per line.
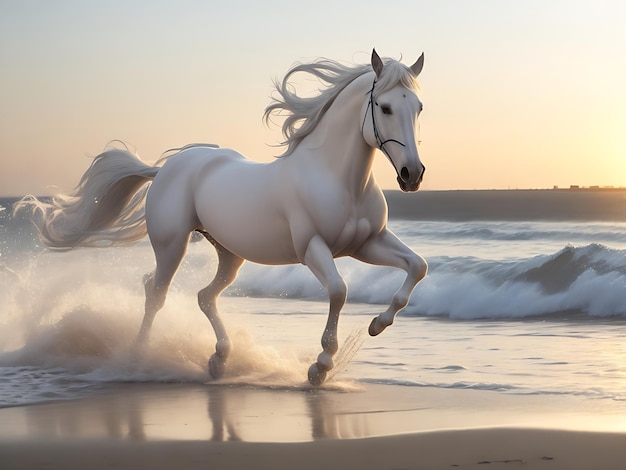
589,280
511,231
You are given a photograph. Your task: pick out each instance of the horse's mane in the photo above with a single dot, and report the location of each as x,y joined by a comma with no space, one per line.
304,113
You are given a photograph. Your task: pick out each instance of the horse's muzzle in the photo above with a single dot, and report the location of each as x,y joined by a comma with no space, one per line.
408,184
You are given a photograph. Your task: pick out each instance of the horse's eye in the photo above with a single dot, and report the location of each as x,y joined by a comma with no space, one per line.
385,109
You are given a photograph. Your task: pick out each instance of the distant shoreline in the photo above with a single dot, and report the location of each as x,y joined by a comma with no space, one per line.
567,204
597,204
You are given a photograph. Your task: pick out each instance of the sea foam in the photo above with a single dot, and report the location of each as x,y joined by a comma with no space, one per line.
587,279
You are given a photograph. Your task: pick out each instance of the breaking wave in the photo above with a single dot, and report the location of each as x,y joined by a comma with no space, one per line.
588,280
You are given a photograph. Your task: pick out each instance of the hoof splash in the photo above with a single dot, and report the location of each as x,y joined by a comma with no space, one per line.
316,376
217,366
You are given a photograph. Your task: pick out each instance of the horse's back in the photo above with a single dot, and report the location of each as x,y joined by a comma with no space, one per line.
229,196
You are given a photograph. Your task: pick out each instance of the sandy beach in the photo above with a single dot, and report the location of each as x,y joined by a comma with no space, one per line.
186,426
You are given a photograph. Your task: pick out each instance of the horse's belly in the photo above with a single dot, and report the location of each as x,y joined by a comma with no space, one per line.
250,227
258,245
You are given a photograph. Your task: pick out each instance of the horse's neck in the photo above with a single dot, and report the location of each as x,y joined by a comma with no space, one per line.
338,142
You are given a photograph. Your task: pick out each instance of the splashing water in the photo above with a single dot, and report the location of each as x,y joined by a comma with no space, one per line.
348,350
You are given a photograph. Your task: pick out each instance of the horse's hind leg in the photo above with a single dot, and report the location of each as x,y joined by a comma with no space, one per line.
168,258
227,269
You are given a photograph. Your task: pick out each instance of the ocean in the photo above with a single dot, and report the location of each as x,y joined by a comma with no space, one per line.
526,294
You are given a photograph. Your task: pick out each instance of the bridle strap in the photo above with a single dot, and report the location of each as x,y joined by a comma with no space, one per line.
379,141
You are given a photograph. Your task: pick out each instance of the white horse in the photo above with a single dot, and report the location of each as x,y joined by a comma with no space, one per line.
319,201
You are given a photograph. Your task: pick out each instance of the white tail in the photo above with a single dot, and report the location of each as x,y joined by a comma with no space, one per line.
107,205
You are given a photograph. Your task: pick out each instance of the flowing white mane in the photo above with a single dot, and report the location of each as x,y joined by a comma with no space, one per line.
302,114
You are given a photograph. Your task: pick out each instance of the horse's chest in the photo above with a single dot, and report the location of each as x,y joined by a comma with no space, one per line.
353,234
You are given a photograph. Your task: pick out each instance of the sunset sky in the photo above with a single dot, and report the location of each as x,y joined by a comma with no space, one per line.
516,94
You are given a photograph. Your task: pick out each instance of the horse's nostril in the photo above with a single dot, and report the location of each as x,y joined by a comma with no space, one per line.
404,174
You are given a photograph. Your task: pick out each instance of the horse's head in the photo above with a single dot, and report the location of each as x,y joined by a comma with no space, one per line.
390,115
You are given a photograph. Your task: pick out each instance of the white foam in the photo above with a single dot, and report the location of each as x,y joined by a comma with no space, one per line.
589,279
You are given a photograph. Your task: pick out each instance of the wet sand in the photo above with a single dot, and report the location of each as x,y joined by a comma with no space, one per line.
185,426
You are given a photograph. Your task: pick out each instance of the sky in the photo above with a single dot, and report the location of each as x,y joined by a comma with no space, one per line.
516,94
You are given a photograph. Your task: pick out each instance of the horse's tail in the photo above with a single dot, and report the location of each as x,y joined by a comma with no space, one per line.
106,206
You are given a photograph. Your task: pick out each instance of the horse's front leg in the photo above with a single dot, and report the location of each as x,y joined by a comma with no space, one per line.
386,249
320,261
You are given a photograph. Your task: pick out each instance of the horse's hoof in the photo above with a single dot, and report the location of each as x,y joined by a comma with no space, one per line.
374,330
316,376
217,365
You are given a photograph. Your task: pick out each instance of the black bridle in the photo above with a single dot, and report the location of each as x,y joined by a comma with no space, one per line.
379,141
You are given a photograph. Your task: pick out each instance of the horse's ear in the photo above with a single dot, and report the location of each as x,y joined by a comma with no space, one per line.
416,68
377,63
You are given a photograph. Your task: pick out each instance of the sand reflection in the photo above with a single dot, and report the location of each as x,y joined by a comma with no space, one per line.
141,412
195,412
